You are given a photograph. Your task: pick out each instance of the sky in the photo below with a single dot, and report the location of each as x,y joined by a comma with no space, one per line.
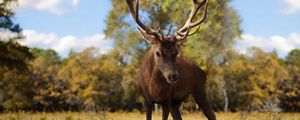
65,25
269,24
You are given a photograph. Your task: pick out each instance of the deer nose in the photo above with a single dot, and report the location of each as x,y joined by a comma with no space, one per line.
173,77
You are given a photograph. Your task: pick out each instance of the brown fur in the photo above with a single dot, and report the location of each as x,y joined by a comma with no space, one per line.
165,79
155,88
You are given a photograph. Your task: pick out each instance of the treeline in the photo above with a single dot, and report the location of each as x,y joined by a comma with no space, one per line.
83,81
40,80
88,81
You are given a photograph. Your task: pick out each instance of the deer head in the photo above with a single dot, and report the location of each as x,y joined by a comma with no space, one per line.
164,47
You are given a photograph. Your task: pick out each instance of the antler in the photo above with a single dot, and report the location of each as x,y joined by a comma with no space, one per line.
183,32
134,10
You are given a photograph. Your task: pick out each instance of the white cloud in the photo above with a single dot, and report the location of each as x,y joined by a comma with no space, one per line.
52,6
75,2
6,34
292,6
281,44
64,44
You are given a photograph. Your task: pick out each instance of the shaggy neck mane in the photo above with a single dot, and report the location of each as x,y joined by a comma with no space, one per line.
148,64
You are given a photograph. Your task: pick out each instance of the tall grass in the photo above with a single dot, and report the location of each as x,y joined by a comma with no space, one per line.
141,116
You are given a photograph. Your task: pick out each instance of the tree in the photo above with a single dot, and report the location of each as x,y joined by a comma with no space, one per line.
50,92
293,57
95,80
254,80
6,15
79,71
290,88
205,48
12,53
14,74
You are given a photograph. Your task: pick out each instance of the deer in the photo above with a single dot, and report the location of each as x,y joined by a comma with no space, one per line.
163,77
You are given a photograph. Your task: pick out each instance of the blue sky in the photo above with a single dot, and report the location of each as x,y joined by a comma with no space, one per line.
65,25
267,17
85,18
269,24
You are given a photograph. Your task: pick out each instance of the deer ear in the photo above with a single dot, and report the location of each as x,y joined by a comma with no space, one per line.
149,38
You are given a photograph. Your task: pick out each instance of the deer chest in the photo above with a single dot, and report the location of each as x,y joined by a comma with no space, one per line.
158,93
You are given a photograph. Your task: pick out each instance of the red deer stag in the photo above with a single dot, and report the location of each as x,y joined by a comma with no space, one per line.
165,78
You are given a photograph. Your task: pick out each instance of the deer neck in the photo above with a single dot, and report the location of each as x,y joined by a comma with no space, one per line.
154,81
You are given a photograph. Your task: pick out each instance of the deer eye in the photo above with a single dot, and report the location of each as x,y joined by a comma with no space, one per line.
158,53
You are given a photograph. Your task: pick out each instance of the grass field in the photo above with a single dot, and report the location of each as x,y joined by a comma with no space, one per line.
141,116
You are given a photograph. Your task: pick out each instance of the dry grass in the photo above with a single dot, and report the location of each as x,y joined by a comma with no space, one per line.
141,116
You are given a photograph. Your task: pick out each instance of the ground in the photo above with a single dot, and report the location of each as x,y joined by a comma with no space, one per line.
141,116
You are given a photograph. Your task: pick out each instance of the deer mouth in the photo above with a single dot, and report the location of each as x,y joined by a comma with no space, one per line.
171,79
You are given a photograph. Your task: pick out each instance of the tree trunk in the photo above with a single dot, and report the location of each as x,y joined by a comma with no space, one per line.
225,99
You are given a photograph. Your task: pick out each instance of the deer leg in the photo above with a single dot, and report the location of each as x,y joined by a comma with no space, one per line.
201,99
148,108
175,112
165,110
